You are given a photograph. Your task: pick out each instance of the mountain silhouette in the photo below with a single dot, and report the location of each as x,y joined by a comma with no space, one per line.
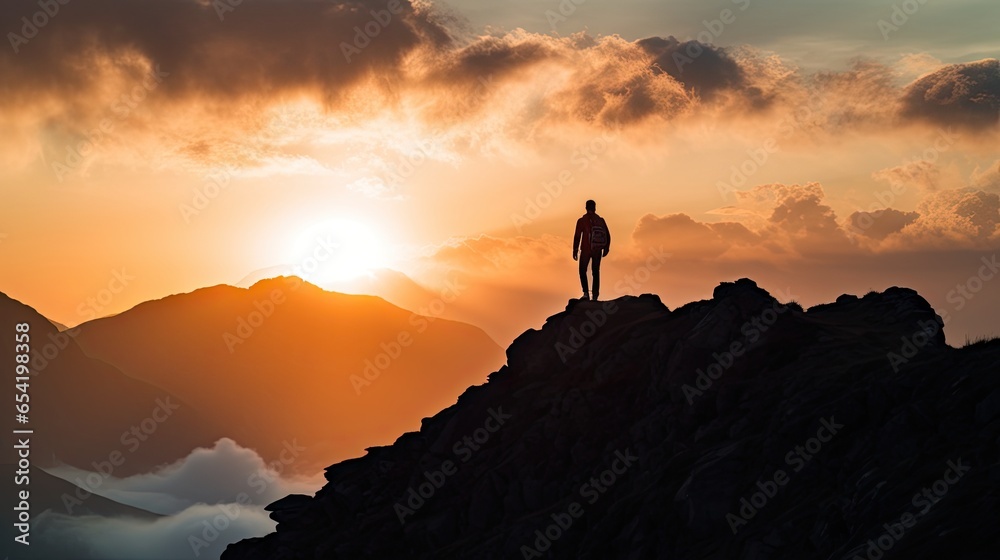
286,365
737,427
85,411
50,495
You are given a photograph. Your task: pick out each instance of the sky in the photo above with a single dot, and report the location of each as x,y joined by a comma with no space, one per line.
153,147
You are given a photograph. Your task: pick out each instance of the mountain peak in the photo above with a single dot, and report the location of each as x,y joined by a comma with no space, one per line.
744,287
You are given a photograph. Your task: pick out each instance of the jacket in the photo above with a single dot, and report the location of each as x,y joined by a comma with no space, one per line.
581,238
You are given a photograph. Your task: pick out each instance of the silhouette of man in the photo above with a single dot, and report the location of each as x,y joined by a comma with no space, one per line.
593,239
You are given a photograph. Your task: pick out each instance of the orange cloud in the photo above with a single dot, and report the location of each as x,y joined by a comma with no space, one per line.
686,239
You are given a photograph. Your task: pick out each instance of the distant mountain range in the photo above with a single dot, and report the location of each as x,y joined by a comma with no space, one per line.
281,364
83,410
285,363
738,427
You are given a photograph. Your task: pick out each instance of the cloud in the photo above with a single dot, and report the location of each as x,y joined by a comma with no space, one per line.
880,224
966,95
200,531
210,476
705,69
762,199
987,179
260,46
922,174
224,90
862,97
212,497
955,218
685,238
488,254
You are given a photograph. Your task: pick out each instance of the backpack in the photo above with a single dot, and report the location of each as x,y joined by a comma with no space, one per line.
598,235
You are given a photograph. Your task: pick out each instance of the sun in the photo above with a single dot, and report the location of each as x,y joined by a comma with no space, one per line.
340,250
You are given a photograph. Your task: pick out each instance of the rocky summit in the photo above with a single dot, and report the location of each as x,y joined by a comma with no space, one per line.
737,427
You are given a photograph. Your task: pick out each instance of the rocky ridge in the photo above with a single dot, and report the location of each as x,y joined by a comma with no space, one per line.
737,427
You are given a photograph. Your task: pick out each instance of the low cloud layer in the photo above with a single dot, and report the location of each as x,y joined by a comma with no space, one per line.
210,498
200,532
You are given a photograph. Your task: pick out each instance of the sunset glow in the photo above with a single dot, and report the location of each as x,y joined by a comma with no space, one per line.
387,278
335,251
831,154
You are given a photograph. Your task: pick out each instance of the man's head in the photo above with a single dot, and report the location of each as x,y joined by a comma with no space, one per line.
591,206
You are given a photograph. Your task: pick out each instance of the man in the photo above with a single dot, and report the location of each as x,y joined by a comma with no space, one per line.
593,239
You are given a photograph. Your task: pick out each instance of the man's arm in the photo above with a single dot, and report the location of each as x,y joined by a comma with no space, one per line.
577,235
607,248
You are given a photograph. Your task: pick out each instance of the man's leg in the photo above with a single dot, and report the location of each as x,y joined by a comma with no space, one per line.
584,261
597,274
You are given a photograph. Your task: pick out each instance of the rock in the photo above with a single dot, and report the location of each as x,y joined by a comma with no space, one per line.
634,431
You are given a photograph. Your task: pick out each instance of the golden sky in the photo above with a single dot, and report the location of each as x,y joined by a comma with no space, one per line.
152,147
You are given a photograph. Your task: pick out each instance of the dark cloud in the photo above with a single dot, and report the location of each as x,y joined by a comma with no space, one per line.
494,57
965,95
706,69
513,85
260,47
